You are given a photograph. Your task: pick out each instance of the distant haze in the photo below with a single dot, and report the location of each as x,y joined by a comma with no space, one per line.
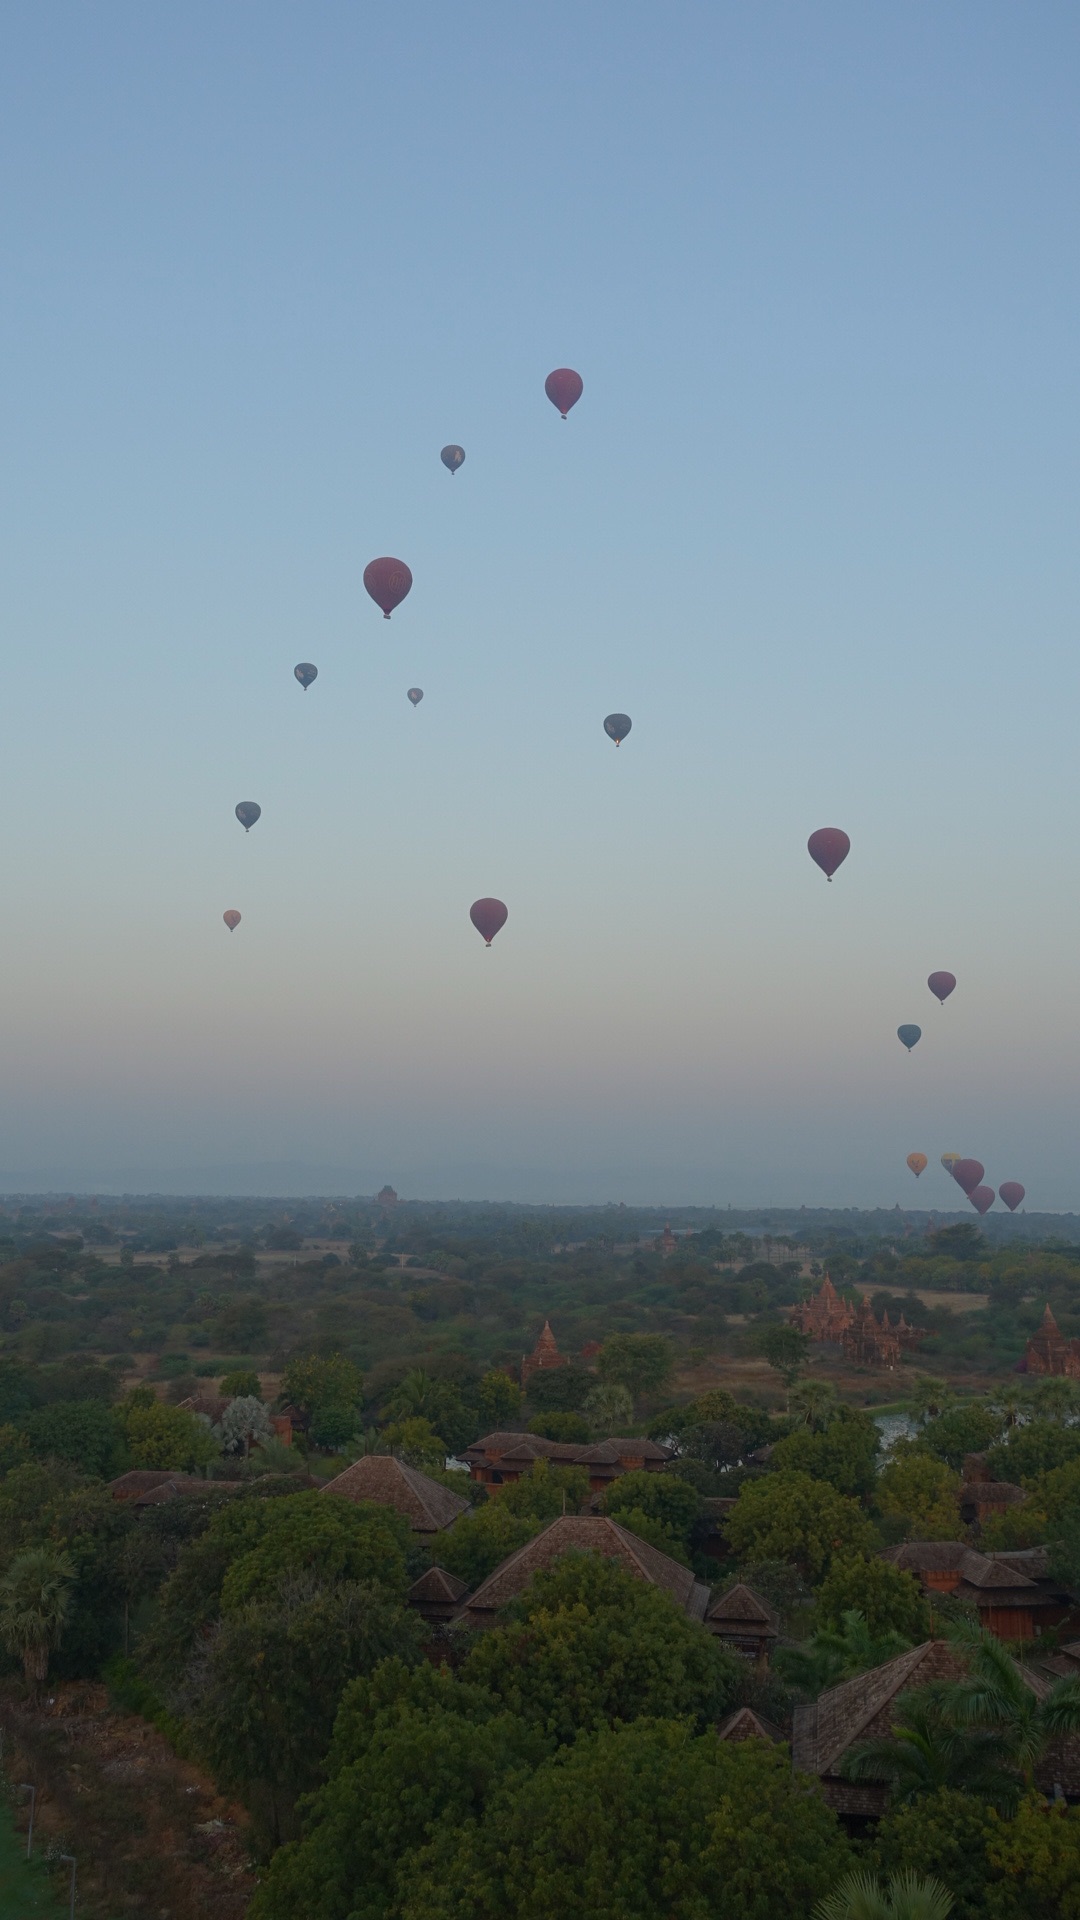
811,525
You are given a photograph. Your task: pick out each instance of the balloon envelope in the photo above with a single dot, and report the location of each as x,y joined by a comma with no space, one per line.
387,581
942,985
829,847
983,1198
1012,1193
950,1161
247,813
231,919
917,1163
909,1035
306,673
968,1173
564,389
416,694
487,917
452,457
617,726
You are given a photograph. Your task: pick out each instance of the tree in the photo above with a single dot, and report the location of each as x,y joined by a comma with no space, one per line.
833,1654
1033,1449
245,1423
560,1389
35,1597
928,1397
320,1383
327,1535
610,1407
789,1516
82,1431
922,1492
786,1350
640,1362
673,1503
413,1749
416,1442
995,1697
593,1645
928,1751
814,1401
997,1869
544,1492
961,1430
646,1820
479,1541
844,1452
907,1896
266,1691
163,1437
889,1599
240,1385
498,1400
567,1427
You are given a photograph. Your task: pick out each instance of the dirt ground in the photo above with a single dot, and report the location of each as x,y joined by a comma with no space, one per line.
153,1838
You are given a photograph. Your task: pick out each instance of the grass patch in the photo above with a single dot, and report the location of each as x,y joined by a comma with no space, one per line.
25,1887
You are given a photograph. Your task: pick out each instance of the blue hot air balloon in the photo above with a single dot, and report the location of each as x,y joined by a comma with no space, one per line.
247,813
909,1036
306,673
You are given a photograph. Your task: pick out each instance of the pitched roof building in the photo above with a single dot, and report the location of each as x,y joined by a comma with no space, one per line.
436,1596
584,1533
862,1709
427,1506
501,1458
1011,1601
747,1623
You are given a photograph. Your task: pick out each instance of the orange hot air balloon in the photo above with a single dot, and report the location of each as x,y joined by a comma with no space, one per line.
917,1163
231,919
950,1161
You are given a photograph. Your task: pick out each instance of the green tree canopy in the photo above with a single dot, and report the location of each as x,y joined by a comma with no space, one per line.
594,1645
1033,1449
663,1497
646,1820
242,1384
889,1599
81,1431
922,1492
545,1491
163,1437
326,1534
961,1430
844,1452
789,1516
477,1542
640,1362
997,1869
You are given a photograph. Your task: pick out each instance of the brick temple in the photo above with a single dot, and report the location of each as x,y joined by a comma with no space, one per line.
1048,1351
865,1340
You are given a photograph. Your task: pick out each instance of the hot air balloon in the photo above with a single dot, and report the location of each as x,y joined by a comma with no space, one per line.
415,694
387,581
306,673
247,813
487,917
564,389
909,1035
968,1173
231,919
452,457
829,848
942,985
917,1163
1012,1193
617,726
983,1198
950,1162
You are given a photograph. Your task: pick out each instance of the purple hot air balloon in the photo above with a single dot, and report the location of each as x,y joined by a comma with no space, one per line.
828,848
967,1174
387,581
487,917
415,694
983,1198
564,389
231,919
942,984
1012,1193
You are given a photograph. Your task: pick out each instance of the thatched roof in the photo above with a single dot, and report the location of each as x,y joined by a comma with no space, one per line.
745,1724
864,1708
743,1610
587,1533
427,1506
436,1587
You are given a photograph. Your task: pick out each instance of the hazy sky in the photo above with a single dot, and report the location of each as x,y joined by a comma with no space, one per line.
813,525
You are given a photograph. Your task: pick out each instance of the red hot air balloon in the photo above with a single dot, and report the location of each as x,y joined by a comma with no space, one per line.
983,1198
942,985
1012,1193
231,919
829,848
387,581
968,1173
487,917
564,389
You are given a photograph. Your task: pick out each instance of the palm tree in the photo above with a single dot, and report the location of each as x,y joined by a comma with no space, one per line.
927,1750
906,1896
995,1696
831,1656
814,1400
928,1398
1055,1397
35,1595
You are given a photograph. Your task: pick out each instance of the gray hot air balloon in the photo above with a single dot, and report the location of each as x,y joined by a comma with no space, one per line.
247,813
617,726
909,1036
416,694
452,457
306,673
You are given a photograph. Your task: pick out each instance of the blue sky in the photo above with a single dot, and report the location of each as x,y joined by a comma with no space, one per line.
812,525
